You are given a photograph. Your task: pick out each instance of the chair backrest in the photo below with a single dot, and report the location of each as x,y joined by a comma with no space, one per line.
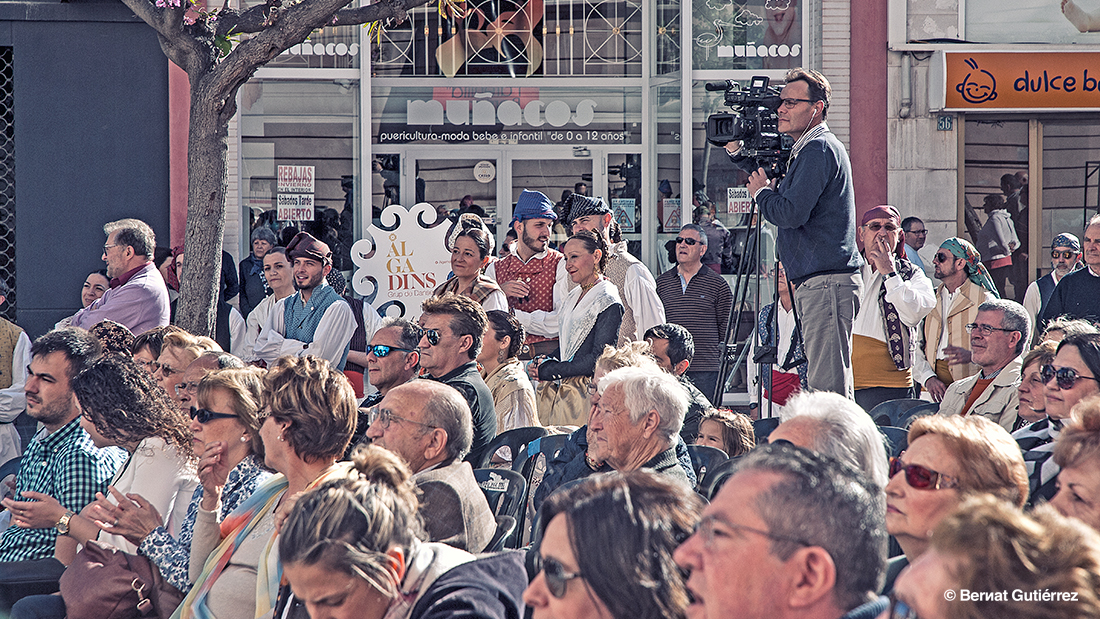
885,413
763,427
704,458
712,483
505,490
548,446
896,438
506,525
515,439
904,418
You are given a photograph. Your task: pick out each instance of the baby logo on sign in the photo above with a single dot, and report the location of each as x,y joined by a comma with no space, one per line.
401,261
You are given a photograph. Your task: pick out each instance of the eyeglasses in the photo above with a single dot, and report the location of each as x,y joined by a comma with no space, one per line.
382,351
1066,255
432,335
189,388
789,103
921,478
987,329
710,529
592,389
384,417
918,232
108,246
149,366
875,227
554,574
203,415
1066,377
900,610
167,370
688,242
943,257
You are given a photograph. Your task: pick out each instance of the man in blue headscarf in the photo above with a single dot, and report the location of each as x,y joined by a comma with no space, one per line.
1065,257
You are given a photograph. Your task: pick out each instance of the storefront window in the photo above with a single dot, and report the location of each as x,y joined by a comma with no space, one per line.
758,34
1071,179
299,142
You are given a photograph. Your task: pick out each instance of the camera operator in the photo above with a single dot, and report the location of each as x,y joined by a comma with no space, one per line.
814,209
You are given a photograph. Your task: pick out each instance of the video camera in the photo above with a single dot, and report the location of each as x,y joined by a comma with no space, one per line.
754,123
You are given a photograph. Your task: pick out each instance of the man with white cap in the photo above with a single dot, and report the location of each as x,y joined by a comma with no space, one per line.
1065,257
1077,295
896,297
313,321
533,276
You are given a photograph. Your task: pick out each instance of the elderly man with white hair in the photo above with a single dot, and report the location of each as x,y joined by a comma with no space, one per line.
831,424
637,421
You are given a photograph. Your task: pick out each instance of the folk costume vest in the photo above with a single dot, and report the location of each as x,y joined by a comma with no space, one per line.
301,319
538,273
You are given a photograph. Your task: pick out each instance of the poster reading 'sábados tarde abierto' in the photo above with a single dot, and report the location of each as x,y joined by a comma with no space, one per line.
401,260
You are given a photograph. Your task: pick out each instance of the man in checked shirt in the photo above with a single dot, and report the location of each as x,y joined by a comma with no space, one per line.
60,462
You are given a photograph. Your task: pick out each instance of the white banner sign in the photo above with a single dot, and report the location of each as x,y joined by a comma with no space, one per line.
738,200
295,207
296,179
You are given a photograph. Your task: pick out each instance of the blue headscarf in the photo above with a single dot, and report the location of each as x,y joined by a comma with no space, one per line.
533,205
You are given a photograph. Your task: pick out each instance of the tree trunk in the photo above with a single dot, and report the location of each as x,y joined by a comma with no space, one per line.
207,149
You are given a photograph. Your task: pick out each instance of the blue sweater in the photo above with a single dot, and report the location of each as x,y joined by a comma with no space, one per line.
815,209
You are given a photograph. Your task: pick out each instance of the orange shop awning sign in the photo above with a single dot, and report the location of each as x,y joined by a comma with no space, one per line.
1024,80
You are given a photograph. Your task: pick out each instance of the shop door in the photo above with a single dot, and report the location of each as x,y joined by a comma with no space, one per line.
467,182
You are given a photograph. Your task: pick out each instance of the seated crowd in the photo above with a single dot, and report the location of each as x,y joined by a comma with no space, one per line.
345,465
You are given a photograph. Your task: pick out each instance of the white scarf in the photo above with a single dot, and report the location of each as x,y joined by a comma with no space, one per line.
577,319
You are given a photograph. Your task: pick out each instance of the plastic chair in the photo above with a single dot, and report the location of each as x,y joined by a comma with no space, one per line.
885,413
704,458
715,477
763,427
904,418
548,445
11,467
506,493
514,439
896,438
506,525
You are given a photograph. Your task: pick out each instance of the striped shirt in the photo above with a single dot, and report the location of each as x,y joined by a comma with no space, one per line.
68,467
703,308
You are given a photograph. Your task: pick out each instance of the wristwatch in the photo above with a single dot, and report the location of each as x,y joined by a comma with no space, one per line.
62,525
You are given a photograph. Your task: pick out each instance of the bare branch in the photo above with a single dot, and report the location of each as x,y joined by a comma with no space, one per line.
384,9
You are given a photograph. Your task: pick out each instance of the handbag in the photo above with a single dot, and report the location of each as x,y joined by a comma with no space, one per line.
104,582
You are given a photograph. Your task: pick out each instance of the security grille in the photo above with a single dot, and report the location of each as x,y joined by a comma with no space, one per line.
7,181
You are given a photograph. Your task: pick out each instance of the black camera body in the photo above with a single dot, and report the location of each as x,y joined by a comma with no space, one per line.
754,123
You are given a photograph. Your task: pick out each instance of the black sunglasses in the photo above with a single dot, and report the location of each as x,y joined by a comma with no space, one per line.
382,351
1066,377
203,415
1066,255
921,478
554,573
689,242
943,257
432,335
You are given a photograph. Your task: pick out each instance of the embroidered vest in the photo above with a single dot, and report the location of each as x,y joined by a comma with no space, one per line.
9,337
540,274
301,320
617,266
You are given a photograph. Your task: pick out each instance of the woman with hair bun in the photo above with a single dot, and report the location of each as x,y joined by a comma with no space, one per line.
350,549
588,320
513,395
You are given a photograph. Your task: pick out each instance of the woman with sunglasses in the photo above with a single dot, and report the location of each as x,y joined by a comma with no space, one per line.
949,458
177,352
471,252
350,549
1073,376
606,549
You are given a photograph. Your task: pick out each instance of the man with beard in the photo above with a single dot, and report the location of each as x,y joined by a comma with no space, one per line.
533,276
1065,257
138,298
66,466
313,321
966,285
1077,295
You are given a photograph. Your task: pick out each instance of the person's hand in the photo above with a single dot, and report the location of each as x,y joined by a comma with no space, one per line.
956,355
41,511
533,368
515,288
935,388
733,147
881,255
213,472
284,509
757,181
131,516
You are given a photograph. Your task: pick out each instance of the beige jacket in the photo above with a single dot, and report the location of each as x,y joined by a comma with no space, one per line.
963,311
999,402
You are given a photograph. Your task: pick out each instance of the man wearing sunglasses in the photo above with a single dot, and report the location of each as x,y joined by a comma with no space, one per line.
966,285
698,299
792,534
814,207
915,235
998,337
1065,257
1077,295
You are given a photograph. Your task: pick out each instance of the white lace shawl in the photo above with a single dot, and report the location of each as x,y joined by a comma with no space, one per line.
577,319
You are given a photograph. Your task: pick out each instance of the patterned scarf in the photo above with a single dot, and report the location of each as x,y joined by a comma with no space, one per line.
961,248
1037,442
481,289
897,333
